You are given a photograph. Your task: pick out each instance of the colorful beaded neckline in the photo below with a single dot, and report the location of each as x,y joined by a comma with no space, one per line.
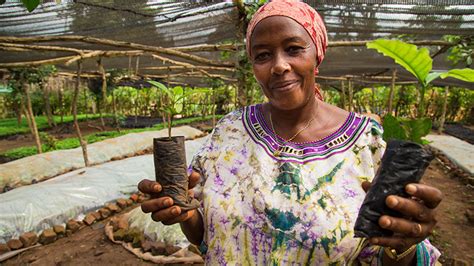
337,142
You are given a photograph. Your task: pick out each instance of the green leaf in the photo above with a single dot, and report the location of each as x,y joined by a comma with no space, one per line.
158,85
30,4
416,61
393,129
465,74
417,129
432,76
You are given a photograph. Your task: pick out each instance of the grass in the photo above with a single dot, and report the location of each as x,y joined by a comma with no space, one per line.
9,126
71,143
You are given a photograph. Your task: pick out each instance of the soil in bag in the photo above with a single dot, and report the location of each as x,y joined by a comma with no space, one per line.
171,171
402,163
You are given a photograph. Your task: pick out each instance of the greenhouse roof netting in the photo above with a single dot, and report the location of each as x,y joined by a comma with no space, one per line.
177,24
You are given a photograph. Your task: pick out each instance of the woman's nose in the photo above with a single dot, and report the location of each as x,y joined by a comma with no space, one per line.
280,65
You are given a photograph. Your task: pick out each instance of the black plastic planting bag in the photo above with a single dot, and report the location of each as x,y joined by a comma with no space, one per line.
403,163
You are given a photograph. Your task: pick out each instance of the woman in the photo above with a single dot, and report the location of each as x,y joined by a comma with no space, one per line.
281,182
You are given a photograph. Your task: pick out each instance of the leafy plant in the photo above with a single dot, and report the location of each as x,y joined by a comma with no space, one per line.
173,101
49,141
419,63
406,129
462,52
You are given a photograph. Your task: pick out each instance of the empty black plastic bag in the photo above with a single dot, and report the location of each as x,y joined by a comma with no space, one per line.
403,163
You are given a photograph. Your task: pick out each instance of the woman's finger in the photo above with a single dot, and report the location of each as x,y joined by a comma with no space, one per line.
194,179
148,186
366,185
154,205
166,215
403,226
181,218
398,243
410,208
431,196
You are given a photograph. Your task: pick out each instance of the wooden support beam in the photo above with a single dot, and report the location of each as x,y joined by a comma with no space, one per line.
29,48
171,68
130,45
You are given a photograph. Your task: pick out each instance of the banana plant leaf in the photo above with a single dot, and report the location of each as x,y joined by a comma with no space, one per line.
416,61
465,74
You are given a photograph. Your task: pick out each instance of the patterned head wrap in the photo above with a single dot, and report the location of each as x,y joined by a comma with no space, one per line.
304,15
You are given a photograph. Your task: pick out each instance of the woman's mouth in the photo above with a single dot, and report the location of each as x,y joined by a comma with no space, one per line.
284,86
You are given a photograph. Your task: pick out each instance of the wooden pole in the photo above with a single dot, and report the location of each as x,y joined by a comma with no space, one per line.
373,100
103,102
46,89
74,114
137,64
349,81
31,116
445,107
343,95
392,90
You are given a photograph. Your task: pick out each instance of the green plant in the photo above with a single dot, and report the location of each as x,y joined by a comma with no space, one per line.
462,52
406,129
49,141
173,101
419,63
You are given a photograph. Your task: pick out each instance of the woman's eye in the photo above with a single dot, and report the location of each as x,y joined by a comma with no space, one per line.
295,49
261,56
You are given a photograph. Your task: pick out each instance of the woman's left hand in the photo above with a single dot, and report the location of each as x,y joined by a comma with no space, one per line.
419,217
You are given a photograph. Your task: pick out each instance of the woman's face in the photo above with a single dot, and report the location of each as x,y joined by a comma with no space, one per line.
283,58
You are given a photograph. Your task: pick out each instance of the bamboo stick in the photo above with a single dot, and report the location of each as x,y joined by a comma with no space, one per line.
31,116
103,101
93,40
74,114
37,63
104,54
43,47
189,67
167,60
75,38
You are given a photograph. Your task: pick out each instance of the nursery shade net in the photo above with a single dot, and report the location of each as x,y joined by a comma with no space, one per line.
171,24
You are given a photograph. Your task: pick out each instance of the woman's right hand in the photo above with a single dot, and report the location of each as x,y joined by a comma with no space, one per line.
163,209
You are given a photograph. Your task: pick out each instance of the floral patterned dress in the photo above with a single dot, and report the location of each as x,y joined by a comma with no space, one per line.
269,202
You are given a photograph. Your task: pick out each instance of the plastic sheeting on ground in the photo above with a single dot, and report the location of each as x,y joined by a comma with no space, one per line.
43,166
457,150
42,205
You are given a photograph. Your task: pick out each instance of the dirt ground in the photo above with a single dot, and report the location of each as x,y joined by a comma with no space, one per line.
454,234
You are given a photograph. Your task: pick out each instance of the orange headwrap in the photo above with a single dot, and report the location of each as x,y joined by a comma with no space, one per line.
304,15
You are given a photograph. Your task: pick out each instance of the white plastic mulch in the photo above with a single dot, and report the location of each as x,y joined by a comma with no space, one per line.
43,166
39,206
459,151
